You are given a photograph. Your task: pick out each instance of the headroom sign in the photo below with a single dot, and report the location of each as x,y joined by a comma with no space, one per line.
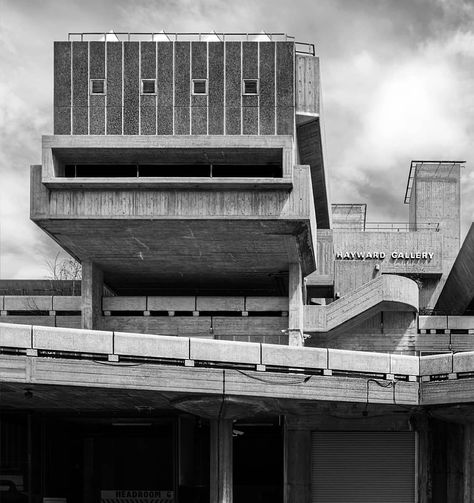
380,255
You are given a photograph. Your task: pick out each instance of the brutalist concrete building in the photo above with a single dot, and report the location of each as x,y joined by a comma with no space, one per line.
235,337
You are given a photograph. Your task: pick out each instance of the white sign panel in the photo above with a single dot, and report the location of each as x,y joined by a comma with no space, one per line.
136,496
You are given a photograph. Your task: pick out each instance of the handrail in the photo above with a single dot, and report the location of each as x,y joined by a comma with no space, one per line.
300,47
389,226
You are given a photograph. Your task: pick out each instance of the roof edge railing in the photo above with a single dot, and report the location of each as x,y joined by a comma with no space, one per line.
161,36
388,226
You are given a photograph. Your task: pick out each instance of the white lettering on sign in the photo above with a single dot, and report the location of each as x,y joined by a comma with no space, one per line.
380,255
136,496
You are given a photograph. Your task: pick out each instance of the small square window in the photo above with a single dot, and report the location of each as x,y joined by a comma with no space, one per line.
148,86
199,86
97,86
250,86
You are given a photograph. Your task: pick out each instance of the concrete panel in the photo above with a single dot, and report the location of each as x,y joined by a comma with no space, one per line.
461,322
300,357
62,120
171,304
62,74
181,120
266,304
284,74
199,120
148,119
404,365
67,303
28,303
224,351
97,60
357,361
199,60
1,303
80,66
233,78
124,303
267,75
246,327
15,336
114,120
216,76
463,362
285,120
432,322
97,115
182,326
131,73
182,77
250,60
216,120
148,60
74,340
220,303
436,364
130,118
165,75
153,346
250,120
80,120
233,121
267,120
307,84
114,78
165,120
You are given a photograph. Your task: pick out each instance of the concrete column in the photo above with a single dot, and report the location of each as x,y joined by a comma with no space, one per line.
297,466
221,477
468,463
295,318
92,288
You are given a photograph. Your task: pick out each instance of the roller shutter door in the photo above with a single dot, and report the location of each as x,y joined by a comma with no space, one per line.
363,467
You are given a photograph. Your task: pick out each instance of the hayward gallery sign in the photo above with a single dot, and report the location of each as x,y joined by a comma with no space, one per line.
395,255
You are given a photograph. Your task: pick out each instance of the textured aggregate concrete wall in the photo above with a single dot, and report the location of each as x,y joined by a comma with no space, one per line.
173,109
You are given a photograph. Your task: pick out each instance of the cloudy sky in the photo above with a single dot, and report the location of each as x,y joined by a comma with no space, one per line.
397,77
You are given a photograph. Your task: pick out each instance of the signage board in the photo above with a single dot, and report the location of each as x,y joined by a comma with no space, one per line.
136,496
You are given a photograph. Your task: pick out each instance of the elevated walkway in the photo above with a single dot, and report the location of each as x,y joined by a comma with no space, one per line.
182,367
385,293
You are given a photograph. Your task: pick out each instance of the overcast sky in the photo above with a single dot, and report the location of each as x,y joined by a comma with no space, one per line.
397,84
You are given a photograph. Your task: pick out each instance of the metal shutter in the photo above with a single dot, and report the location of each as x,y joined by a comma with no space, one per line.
363,467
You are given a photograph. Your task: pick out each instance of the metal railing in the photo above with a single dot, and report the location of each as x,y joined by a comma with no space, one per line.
388,227
300,47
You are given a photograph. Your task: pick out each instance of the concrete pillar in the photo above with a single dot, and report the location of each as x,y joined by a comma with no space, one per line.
221,477
295,318
297,466
92,288
468,463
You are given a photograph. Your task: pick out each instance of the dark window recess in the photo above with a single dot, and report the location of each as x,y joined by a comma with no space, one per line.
98,86
173,171
199,86
148,86
251,86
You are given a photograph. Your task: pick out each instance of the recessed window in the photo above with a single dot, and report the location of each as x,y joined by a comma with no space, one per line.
250,86
97,86
199,86
148,86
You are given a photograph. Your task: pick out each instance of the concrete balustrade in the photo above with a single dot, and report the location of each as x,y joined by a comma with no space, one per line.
436,364
294,356
15,336
116,344
124,303
66,303
220,303
224,351
153,346
359,361
171,303
432,322
404,365
28,303
73,340
266,304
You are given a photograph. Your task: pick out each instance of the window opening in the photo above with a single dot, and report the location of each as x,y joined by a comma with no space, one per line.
199,86
148,86
97,86
250,86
